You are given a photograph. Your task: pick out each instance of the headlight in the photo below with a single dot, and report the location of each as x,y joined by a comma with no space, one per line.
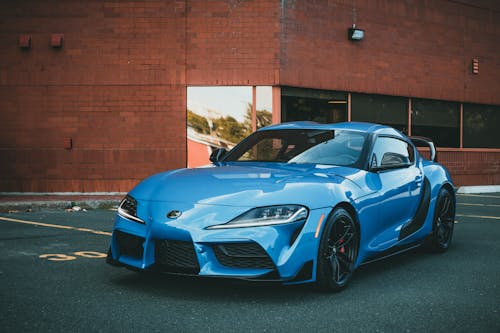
270,215
128,209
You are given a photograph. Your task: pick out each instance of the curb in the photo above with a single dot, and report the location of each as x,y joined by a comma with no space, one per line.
57,204
478,189
38,201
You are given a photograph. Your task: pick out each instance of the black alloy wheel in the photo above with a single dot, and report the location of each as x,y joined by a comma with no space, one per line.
444,222
338,251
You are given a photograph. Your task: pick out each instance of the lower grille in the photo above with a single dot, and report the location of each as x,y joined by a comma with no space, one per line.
243,255
176,257
129,245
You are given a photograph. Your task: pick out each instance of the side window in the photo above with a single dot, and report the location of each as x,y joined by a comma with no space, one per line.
391,153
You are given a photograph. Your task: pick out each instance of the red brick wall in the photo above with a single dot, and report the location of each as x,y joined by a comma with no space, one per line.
472,167
411,48
116,88
233,42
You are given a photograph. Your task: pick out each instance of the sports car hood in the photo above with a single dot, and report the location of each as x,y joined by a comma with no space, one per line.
252,185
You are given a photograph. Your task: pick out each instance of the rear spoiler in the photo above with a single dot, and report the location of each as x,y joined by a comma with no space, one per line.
420,141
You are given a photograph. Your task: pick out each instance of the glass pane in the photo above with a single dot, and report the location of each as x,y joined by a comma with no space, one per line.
380,109
264,101
321,106
301,147
437,120
217,117
481,126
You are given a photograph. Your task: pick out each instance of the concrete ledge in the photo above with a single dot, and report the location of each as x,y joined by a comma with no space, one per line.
37,201
57,204
478,189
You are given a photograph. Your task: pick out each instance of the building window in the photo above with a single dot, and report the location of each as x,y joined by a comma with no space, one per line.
380,109
220,117
481,126
313,105
437,120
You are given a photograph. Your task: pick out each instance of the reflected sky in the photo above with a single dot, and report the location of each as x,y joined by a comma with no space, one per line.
215,102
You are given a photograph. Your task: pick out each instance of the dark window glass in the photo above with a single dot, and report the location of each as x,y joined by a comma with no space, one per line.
481,126
314,105
437,120
390,152
387,110
301,147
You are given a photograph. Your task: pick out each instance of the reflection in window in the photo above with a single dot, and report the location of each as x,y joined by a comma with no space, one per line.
437,120
301,146
391,152
220,117
380,109
264,106
481,126
313,105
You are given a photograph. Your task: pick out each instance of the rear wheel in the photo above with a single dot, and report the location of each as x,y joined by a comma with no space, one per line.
338,251
444,222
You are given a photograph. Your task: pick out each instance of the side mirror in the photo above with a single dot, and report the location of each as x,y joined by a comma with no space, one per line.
389,161
218,154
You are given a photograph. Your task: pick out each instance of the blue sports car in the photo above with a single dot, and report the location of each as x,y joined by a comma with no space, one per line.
297,202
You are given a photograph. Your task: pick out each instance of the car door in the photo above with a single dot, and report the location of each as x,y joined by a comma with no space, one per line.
393,162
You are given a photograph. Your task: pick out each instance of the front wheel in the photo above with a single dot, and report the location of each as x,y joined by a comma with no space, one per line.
444,221
337,252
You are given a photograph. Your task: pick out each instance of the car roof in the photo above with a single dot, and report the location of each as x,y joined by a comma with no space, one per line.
352,126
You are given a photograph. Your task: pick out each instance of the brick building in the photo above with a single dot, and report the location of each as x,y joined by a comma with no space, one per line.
94,94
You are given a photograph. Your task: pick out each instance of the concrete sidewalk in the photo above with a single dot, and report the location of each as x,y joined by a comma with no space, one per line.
34,201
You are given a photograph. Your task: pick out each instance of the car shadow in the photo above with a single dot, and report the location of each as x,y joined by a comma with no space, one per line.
228,290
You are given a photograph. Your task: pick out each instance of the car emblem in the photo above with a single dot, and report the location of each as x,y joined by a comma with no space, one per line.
173,214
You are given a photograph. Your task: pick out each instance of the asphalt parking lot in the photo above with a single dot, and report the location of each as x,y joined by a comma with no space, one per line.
53,278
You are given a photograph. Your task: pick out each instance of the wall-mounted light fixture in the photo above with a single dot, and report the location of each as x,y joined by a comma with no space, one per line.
68,143
56,40
24,41
475,66
355,34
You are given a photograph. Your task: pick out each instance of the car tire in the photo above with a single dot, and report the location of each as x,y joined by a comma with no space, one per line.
443,223
338,251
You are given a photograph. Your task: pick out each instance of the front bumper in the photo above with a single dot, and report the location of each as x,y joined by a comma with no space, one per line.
284,252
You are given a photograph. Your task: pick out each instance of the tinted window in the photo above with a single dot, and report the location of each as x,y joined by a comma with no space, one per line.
481,126
437,120
391,152
313,105
387,110
301,146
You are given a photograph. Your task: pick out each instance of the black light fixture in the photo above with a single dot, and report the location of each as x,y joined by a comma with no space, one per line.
355,34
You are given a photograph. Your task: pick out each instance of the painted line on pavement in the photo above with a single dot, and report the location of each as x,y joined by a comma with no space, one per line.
476,204
58,226
480,216
478,195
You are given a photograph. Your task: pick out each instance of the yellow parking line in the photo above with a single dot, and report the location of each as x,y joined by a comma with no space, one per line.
58,226
480,216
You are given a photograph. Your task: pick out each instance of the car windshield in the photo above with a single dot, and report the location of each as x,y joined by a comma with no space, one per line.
339,147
